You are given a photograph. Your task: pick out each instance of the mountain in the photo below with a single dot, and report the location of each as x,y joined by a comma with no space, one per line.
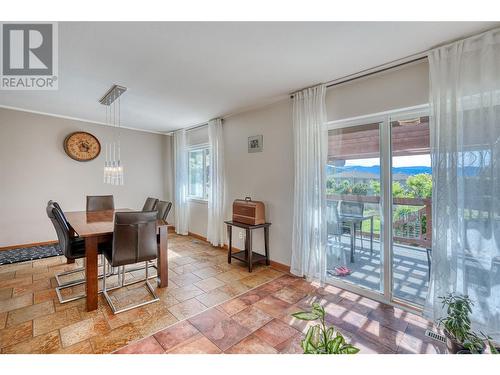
375,169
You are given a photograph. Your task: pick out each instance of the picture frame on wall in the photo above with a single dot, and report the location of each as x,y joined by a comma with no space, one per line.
255,143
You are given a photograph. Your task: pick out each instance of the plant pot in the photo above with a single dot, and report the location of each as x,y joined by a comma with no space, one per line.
452,345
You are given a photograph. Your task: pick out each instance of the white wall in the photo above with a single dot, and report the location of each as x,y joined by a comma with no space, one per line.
268,176
34,168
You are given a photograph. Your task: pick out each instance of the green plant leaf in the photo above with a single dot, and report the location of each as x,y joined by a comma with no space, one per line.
349,349
304,315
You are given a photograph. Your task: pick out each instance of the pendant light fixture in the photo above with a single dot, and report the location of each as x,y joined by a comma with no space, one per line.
113,167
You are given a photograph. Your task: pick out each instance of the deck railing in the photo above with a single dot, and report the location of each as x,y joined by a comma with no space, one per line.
419,236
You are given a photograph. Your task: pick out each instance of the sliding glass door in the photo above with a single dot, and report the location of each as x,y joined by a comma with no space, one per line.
370,159
411,180
355,251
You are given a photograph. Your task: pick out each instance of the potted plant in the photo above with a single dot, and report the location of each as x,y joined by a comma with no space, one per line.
457,325
321,339
494,347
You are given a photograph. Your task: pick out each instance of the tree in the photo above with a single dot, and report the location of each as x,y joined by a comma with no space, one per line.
420,185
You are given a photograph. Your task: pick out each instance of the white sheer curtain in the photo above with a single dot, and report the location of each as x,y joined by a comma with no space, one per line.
215,230
309,204
181,209
465,142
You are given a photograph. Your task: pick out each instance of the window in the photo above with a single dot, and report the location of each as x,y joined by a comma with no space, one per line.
199,163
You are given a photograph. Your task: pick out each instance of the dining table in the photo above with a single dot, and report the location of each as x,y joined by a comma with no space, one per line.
97,227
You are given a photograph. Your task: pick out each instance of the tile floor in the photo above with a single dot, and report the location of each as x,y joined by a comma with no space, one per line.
260,321
33,321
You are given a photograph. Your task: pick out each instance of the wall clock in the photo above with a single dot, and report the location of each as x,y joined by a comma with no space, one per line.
82,146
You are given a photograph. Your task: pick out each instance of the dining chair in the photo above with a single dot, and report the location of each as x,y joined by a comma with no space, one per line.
150,204
72,247
100,203
163,208
134,241
75,237
353,209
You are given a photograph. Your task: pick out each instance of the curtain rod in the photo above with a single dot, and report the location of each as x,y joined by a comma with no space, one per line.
194,127
374,70
346,79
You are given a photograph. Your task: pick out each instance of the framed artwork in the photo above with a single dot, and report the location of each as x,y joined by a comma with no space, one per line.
255,143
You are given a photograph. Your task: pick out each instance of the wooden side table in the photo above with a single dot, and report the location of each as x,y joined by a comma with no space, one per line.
248,256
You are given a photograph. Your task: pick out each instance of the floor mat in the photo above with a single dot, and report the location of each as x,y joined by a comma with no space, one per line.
29,253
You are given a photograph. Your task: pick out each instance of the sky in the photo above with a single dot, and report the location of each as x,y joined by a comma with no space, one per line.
398,161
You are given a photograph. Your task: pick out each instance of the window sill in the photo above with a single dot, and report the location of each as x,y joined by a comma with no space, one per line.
198,200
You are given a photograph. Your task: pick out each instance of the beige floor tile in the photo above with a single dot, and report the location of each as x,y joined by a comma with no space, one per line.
44,295
212,298
54,321
187,309
231,275
3,320
31,271
30,312
185,279
36,286
117,320
234,288
16,303
17,282
207,272
255,280
209,284
184,293
16,334
83,330
5,293
7,275
155,323
44,344
115,339
83,347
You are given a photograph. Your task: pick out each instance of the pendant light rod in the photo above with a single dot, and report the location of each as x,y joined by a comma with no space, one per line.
112,94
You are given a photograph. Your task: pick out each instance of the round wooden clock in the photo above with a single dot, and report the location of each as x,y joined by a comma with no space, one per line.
82,146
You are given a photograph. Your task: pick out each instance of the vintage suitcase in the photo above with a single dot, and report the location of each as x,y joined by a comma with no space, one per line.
248,211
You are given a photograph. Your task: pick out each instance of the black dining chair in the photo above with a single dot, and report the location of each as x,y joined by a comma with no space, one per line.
353,209
150,204
58,276
134,241
100,203
72,247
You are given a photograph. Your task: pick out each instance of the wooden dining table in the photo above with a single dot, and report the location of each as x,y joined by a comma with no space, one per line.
97,227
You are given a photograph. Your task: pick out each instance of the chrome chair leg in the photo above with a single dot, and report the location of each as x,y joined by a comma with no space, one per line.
75,283
66,273
148,285
61,283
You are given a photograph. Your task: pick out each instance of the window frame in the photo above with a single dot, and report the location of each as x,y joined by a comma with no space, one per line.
206,154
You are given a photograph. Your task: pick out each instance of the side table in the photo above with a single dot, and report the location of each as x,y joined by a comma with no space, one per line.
248,256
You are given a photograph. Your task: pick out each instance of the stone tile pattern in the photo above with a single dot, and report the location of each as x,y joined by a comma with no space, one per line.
259,321
33,321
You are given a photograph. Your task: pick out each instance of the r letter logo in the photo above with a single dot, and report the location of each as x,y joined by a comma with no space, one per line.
29,56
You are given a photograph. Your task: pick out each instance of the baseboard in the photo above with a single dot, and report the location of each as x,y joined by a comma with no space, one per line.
13,247
276,265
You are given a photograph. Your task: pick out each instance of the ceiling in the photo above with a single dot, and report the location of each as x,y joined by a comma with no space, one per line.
184,73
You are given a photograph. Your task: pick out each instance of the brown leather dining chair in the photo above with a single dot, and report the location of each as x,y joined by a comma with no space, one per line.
163,209
150,204
100,203
134,241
